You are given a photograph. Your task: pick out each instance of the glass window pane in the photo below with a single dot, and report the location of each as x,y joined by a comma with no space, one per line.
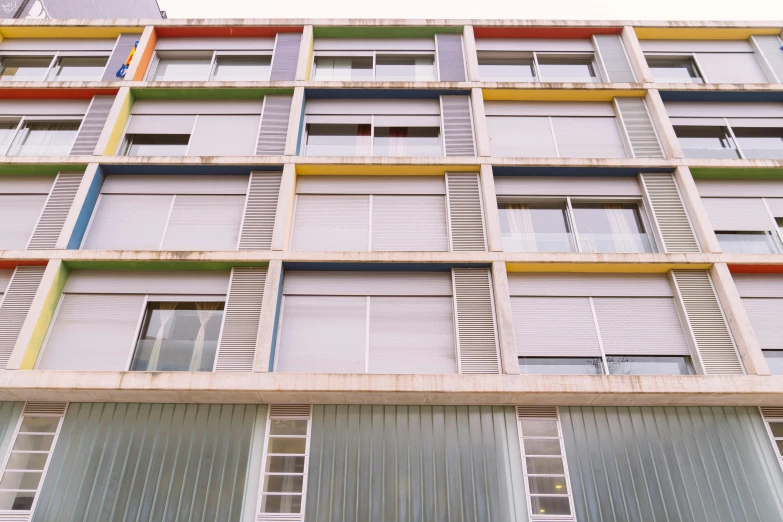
75,69
673,69
539,428
762,143
561,366
404,68
46,139
780,446
16,500
749,242
31,461
535,227
338,140
544,466
281,503
610,228
777,429
554,69
182,69
20,480
285,465
25,69
287,427
506,67
284,445
406,141
33,443
344,68
705,142
157,144
541,446
283,484
548,485
662,365
774,361
39,424
550,505
242,68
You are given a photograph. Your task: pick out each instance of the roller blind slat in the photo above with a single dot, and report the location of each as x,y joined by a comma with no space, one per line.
409,224
204,223
765,315
521,136
331,223
731,68
451,61
612,53
224,135
640,326
156,124
554,327
588,138
738,214
18,216
128,222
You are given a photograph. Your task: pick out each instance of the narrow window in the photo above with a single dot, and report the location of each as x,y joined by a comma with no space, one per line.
156,144
45,139
406,141
506,66
404,68
674,69
610,227
535,227
706,142
760,143
25,69
566,69
773,416
338,140
655,365
343,68
79,69
242,68
561,365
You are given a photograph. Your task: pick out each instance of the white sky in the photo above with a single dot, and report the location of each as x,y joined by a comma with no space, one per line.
751,10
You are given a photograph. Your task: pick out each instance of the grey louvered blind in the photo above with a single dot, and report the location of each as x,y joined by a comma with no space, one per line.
639,128
125,43
451,60
765,315
274,125
588,137
15,303
770,48
475,317
92,126
707,323
612,53
204,223
457,126
18,216
331,223
738,214
258,223
224,135
92,332
409,223
55,211
731,68
237,346
554,327
285,57
521,136
670,216
133,462
640,326
412,335
466,214
128,222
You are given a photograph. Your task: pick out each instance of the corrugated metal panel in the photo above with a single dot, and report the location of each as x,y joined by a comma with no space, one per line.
765,316
204,223
237,347
274,126
466,215
224,135
641,133
612,53
586,284
128,222
457,126
55,211
92,126
305,282
738,214
670,216
409,224
331,223
475,317
770,47
554,327
588,138
258,223
731,68
133,462
713,340
451,62
521,136
122,48
759,285
412,335
15,303
285,57
640,326
323,334
415,463
667,463
18,216
92,332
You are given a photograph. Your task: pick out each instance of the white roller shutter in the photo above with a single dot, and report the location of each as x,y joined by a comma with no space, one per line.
584,285
224,135
766,316
18,216
331,223
521,136
128,222
409,224
759,285
305,282
731,68
204,223
554,327
738,214
161,124
588,138
640,326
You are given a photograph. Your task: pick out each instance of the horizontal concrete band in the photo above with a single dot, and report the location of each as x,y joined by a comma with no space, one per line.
575,390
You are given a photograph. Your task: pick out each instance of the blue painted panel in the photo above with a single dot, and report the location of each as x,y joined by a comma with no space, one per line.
85,213
575,171
722,96
278,305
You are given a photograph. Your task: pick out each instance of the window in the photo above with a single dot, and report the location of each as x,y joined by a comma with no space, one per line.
760,143
674,69
404,68
38,138
183,68
331,69
749,242
78,69
406,141
774,361
338,140
506,66
62,68
747,225
25,69
561,366
635,365
536,227
603,227
242,68
177,337
7,131
156,144
566,69
706,142
380,67
530,67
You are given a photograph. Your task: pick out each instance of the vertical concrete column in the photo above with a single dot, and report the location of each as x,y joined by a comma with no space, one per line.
81,209
39,317
490,203
504,318
295,119
471,57
635,55
696,211
480,122
305,54
267,327
671,146
141,58
285,208
739,322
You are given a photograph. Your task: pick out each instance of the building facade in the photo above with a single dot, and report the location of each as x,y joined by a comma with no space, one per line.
332,271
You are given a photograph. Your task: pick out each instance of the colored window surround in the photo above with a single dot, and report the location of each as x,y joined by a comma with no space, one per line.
224,32
557,33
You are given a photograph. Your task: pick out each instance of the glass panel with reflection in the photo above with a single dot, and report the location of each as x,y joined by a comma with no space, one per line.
408,68
674,69
45,139
749,242
338,140
79,69
610,227
157,144
183,69
506,67
760,143
653,365
775,362
25,69
561,366
705,142
407,141
565,69
242,68
535,227
343,68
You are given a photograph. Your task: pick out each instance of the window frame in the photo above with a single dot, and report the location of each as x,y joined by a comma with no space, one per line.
13,144
773,419
374,55
213,56
675,55
127,143
729,133
537,55
776,232
49,75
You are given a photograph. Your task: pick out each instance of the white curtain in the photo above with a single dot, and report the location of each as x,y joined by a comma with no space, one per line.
623,234
520,223
204,313
166,315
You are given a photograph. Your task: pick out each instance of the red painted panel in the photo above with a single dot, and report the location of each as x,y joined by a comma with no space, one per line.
223,32
53,94
756,269
555,33
11,263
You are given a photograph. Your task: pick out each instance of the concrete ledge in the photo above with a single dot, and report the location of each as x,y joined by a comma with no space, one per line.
391,389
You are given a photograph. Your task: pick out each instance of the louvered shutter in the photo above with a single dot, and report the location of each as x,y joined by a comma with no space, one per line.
204,223
457,126
521,136
285,57
258,223
451,59
707,323
119,55
331,223
475,318
766,316
770,48
466,215
615,61
554,327
409,224
93,332
738,214
670,216
19,214
640,326
274,126
639,128
238,337
588,137
92,126
58,204
15,303
412,335
128,222
323,334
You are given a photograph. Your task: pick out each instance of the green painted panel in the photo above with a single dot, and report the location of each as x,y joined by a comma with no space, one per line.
37,169
758,173
168,264
382,32
223,93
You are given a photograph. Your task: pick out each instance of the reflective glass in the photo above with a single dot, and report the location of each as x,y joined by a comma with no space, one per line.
407,141
561,366
16,500
242,68
7,131
777,429
25,69
775,362
555,69
674,69
548,485
46,139
705,142
157,144
33,442
281,503
749,242
545,466
285,445
39,424
344,68
338,140
31,461
535,227
20,480
76,69
411,68
182,69
287,427
760,143
550,505
285,464
661,365
539,428
506,67
610,227
283,483
541,446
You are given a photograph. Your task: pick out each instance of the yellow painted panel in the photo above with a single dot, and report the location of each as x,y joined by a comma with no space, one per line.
701,33
560,94
620,268
45,319
383,170
120,122
67,32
